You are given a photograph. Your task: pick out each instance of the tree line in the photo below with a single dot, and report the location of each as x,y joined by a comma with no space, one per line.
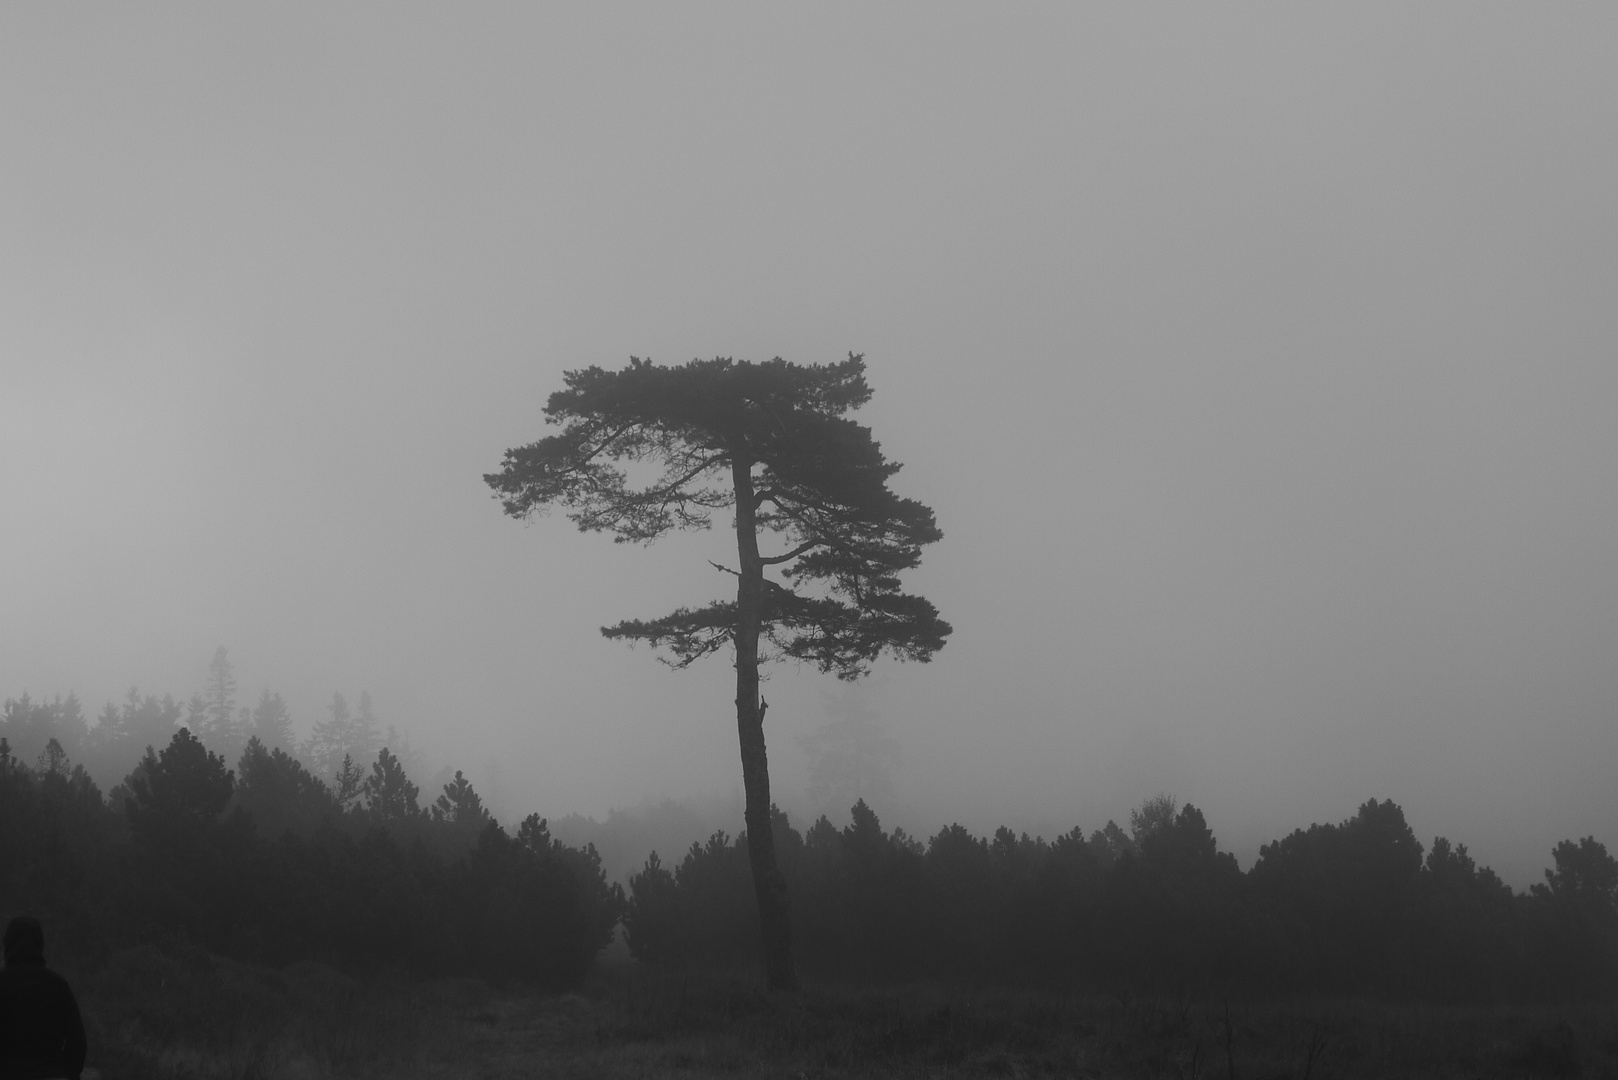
271,862
122,731
1354,908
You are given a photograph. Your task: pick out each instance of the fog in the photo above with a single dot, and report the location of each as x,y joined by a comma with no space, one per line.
1258,363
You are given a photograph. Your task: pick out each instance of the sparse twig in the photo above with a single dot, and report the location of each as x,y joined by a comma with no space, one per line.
1183,1000
1230,1045
1317,1046
1196,1060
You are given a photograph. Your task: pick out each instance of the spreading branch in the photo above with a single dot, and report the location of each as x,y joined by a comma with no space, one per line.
807,545
821,486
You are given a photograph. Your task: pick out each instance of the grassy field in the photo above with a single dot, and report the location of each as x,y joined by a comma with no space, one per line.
157,1015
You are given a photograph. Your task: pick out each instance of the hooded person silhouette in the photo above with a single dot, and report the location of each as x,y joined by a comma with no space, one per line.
41,1033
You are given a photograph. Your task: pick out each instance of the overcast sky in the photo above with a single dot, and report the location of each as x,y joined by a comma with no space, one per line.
1260,362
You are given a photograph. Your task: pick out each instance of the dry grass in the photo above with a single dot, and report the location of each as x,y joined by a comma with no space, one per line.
157,1015
154,1015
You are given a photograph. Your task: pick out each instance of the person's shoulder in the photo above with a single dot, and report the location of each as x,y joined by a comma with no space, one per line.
19,979
56,979
34,977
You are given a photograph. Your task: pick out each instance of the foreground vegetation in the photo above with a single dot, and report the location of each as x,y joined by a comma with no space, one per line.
160,1015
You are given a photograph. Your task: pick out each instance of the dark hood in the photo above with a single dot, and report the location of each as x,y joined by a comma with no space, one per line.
25,941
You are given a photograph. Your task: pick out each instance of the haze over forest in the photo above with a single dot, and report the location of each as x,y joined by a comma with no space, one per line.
1258,365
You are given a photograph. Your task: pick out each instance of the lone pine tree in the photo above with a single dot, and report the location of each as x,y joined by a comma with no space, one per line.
770,442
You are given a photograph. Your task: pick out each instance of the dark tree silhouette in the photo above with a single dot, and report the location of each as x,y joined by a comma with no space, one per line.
349,783
53,759
1585,875
461,806
180,791
389,794
280,794
770,441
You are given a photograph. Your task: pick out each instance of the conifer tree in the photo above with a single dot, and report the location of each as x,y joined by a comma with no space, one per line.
460,805
389,794
179,792
365,732
410,756
213,718
348,783
331,740
120,734
271,722
769,442
30,725
53,760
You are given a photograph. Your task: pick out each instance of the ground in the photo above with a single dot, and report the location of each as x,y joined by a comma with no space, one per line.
203,1017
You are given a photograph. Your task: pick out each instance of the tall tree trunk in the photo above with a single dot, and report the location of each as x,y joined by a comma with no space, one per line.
774,913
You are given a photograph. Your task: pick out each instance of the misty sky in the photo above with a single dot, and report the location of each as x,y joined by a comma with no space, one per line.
1260,363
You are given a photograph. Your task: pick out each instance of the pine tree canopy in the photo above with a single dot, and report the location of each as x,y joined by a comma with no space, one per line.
769,441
